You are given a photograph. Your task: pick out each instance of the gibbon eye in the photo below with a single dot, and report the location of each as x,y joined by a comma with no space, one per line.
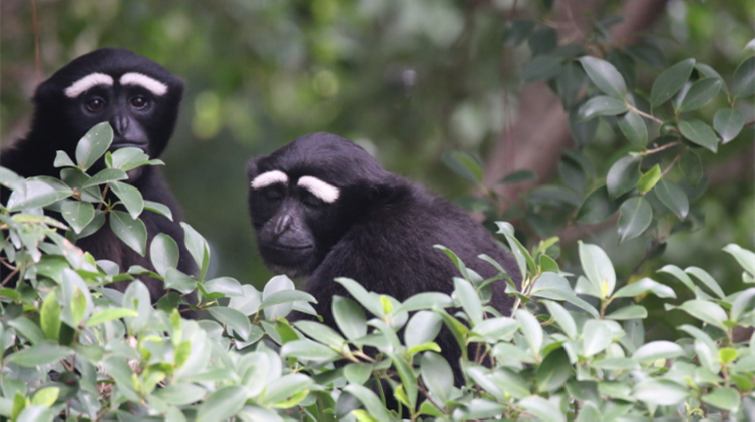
139,102
95,104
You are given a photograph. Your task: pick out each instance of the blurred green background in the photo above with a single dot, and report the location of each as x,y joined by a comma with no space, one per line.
408,80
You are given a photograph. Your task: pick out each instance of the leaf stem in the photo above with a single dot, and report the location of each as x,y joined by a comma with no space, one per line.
662,148
643,114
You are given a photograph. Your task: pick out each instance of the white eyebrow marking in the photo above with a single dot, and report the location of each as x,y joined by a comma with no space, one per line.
320,189
87,82
268,178
153,85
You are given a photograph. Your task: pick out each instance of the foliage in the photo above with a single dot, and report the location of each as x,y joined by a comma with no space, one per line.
569,349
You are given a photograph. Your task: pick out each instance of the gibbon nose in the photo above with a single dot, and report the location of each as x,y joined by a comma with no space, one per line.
283,224
120,124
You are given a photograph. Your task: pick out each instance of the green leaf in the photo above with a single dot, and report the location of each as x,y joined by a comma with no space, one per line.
38,192
197,247
679,274
531,329
39,355
222,404
370,401
349,317
77,214
465,166
598,268
726,398
629,312
692,167
494,329
563,318
743,83
308,350
180,394
284,387
422,328
728,122
425,300
132,232
158,208
105,176
130,197
649,179
283,297
542,408
408,380
597,207
709,72
437,375
700,93
62,160
544,66
78,306
673,197
49,316
45,396
91,147
553,371
129,158
700,133
163,252
643,286
109,314
176,280
228,286
589,412
469,299
518,176
655,350
233,319
670,82
321,333
597,337
662,392
623,175
27,329
635,217
371,303
357,373
633,126
706,311
744,257
602,105
709,281
605,76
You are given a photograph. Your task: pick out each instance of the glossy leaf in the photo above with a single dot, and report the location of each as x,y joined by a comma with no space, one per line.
370,401
706,278
178,281
645,285
700,133
308,350
197,247
700,93
321,333
158,208
39,355
563,318
726,398
673,197
596,337
49,316
128,158
728,122
542,408
222,404
628,312
469,299
598,268
670,82
633,126
605,76
706,311
349,317
233,319
94,144
598,207
692,167
105,176
553,371
362,296
662,392
744,257
531,329
602,105
77,214
130,197
132,232
623,175
635,217
649,179
62,160
422,328
109,314
743,83
437,375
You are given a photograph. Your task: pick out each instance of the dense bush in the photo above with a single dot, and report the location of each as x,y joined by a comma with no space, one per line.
572,348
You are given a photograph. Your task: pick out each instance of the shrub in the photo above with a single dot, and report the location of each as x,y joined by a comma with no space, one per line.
573,347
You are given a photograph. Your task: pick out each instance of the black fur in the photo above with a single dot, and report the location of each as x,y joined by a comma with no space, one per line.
380,232
59,122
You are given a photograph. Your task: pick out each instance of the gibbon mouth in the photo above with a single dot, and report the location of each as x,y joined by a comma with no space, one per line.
118,145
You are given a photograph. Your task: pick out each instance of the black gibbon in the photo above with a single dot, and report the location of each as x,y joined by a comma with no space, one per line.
140,99
323,208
